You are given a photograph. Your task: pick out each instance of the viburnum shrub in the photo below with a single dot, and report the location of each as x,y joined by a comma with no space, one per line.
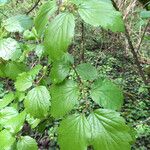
85,104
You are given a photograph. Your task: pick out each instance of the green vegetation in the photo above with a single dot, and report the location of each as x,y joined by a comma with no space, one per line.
74,75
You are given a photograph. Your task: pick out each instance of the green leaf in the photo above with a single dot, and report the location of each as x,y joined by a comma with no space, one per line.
109,131
12,69
101,13
29,35
27,143
6,140
107,94
59,72
6,114
2,73
32,122
35,70
39,50
73,133
59,35
61,69
108,1
25,80
15,124
18,23
7,99
3,2
87,71
37,102
145,14
43,16
64,98
9,49
19,96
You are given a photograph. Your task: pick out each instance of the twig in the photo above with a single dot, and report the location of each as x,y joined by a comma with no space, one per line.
78,77
82,43
129,8
142,37
43,75
135,56
87,103
133,51
3,14
35,5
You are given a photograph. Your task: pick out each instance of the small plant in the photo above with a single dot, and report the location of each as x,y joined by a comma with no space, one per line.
84,103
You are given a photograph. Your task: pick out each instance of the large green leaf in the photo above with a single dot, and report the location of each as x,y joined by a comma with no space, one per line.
7,99
37,102
73,133
61,68
107,94
25,79
12,69
27,143
59,35
18,23
101,13
64,98
9,49
15,124
43,16
6,140
87,71
6,114
109,131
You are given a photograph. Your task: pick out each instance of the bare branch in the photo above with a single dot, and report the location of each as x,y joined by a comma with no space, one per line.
35,5
133,51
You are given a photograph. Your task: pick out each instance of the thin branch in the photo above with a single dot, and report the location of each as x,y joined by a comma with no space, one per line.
135,56
133,51
142,37
145,6
35,5
77,75
129,8
43,75
82,43
3,14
